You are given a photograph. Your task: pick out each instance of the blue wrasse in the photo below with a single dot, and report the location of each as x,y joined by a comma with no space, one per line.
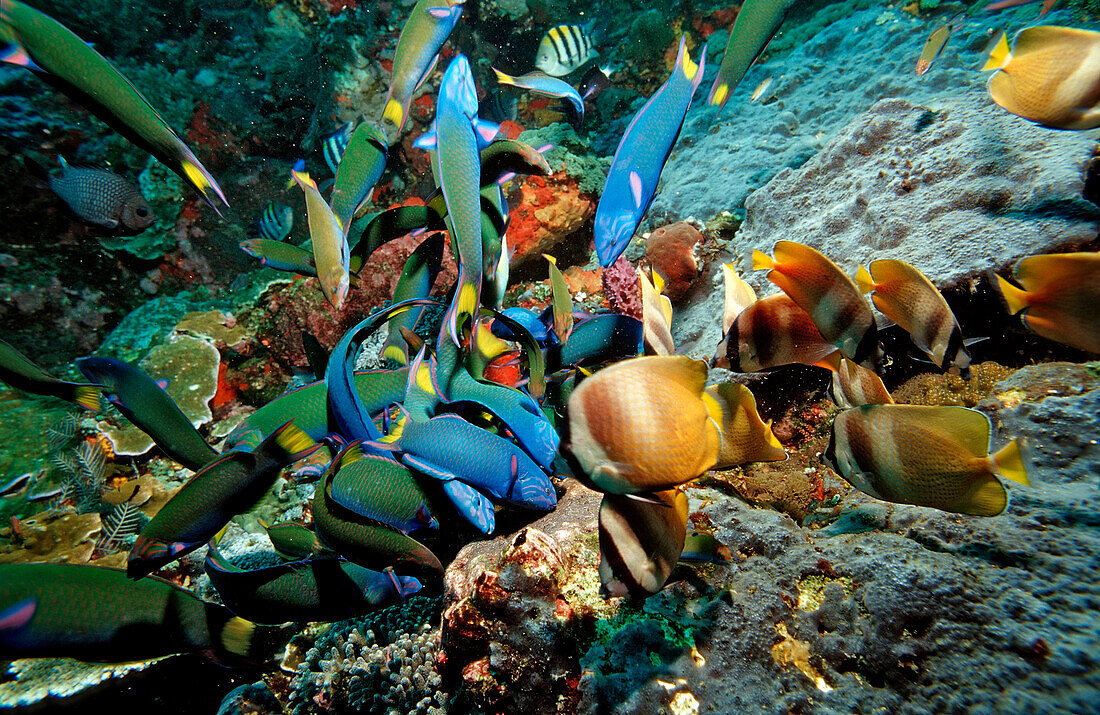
230,485
756,24
456,161
66,62
473,465
643,150
317,589
429,25
608,336
147,405
96,614
280,256
17,370
360,168
547,85
330,245
351,417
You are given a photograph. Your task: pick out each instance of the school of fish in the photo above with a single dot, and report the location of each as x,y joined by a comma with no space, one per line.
502,404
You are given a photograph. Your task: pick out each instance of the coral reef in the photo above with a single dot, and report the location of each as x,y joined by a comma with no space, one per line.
946,389
34,681
385,662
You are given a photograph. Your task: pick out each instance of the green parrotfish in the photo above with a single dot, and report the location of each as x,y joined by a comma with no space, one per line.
17,370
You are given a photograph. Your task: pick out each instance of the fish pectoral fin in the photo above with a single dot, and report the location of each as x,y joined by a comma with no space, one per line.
17,615
648,498
474,506
637,189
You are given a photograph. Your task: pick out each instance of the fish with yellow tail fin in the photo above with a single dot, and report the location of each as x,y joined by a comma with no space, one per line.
330,246
906,296
429,25
928,456
562,302
739,295
1050,76
771,332
756,24
641,425
17,370
830,297
1060,295
230,485
96,614
640,542
855,385
54,53
656,316
745,437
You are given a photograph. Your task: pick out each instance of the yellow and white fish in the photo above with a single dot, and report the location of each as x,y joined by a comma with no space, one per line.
1051,76
745,436
929,456
640,542
1060,297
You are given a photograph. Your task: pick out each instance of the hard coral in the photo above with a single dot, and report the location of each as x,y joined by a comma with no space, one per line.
947,389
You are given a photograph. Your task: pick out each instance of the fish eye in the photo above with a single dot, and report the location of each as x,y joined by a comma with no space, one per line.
142,212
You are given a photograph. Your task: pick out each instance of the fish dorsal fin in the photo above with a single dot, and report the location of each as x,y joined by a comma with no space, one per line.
739,295
969,428
999,56
689,373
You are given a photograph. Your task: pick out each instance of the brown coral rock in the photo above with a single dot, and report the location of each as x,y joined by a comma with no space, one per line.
670,250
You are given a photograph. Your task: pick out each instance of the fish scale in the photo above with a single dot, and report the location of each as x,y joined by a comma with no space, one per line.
381,489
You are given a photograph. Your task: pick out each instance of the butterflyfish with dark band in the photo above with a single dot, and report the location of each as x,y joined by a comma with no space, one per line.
1059,298
640,542
928,456
824,291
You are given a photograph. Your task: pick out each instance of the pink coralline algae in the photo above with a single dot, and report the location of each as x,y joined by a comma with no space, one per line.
620,285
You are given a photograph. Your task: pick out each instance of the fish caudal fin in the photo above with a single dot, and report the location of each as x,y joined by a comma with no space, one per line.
999,56
761,261
1016,298
394,113
1009,463
201,179
864,282
87,396
291,439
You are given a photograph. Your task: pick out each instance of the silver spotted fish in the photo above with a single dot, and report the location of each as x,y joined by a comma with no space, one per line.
103,197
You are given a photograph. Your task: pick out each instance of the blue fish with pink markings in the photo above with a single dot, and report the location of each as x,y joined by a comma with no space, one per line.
636,169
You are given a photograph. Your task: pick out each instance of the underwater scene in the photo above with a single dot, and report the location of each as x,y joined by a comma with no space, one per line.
550,356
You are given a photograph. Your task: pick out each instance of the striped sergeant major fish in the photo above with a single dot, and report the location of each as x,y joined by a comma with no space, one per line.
335,144
564,48
275,222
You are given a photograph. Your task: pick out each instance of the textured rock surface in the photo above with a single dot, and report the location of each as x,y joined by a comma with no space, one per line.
817,88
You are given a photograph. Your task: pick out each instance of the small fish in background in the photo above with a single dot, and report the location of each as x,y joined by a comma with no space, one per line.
824,291
17,486
564,48
545,84
103,198
640,542
641,425
855,385
500,105
280,255
1002,4
593,82
935,43
761,90
755,26
275,222
928,456
330,246
1049,77
906,296
334,145
1060,295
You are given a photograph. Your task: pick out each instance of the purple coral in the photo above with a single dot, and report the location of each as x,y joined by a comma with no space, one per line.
620,285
